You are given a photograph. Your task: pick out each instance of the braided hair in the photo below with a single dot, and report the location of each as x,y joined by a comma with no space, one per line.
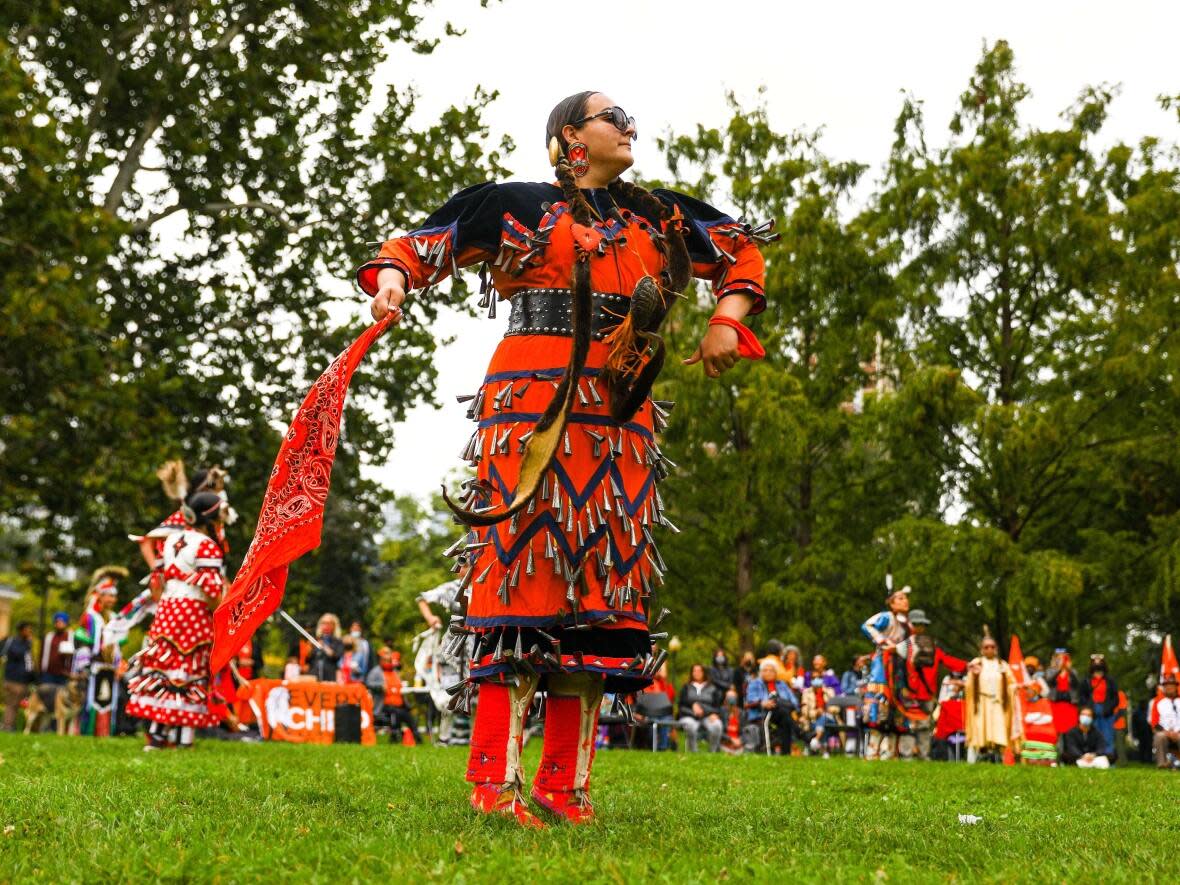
637,351
627,390
567,112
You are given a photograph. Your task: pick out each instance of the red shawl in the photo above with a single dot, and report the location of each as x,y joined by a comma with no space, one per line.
292,515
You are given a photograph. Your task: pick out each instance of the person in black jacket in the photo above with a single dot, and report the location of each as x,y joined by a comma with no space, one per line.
700,706
1101,694
323,662
1083,745
727,680
17,651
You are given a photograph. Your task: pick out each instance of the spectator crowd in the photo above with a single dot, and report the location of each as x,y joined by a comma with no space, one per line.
930,706
907,699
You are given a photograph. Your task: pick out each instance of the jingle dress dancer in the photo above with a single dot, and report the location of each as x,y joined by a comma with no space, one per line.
169,683
562,568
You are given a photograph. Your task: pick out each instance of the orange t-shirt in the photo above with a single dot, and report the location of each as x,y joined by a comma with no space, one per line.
393,688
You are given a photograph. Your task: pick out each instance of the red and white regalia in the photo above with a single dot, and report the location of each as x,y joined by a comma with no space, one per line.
170,684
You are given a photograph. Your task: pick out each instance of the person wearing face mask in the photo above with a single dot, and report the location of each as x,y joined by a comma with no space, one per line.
1084,746
989,703
1101,694
723,676
324,661
726,679
389,704
362,652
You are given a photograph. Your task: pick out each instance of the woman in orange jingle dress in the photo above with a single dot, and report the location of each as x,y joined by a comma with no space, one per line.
560,569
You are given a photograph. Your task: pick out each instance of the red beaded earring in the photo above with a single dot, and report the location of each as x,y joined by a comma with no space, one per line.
579,157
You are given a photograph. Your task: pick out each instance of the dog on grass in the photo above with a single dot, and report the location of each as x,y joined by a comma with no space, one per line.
65,701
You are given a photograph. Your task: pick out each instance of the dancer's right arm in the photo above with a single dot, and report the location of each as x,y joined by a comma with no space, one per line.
464,231
391,292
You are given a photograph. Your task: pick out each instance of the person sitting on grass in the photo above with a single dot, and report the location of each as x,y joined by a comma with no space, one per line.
771,698
1084,745
700,707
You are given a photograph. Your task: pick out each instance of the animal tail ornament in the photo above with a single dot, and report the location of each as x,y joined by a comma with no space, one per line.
292,514
547,435
172,478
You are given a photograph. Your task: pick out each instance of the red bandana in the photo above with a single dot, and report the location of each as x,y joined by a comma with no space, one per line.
292,515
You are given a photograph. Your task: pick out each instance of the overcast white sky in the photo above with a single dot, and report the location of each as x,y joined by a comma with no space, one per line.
837,65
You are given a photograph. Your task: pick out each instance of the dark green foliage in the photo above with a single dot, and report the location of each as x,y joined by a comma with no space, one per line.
184,186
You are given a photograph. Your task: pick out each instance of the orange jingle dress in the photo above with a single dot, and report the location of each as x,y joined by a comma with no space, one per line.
565,588
570,583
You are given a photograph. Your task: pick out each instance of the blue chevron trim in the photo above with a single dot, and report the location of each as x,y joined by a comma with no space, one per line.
631,507
575,418
622,566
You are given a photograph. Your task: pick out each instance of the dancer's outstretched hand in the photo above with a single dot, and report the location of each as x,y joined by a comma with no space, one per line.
718,351
391,292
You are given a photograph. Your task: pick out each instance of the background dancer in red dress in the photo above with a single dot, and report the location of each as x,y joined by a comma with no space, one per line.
564,573
169,683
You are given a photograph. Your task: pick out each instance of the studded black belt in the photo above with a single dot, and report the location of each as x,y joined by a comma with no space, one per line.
549,312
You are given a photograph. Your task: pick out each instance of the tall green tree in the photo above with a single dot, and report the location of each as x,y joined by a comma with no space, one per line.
183,184
1029,311
781,484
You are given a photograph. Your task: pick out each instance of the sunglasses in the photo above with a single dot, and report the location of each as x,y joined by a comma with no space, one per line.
617,117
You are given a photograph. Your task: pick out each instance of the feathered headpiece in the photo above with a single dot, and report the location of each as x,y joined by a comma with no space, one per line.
173,479
106,574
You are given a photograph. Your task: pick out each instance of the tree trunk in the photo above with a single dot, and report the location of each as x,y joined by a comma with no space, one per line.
1003,625
742,586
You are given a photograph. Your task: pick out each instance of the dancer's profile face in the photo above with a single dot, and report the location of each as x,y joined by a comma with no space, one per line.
608,147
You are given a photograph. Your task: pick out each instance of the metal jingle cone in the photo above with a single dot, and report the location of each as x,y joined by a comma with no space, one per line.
659,659
628,713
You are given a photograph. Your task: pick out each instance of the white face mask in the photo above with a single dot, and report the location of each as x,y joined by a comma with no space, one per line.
1085,720
356,634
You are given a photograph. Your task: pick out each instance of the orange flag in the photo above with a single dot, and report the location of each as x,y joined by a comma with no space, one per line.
1016,662
1168,665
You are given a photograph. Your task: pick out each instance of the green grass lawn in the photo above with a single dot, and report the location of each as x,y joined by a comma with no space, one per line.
74,809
